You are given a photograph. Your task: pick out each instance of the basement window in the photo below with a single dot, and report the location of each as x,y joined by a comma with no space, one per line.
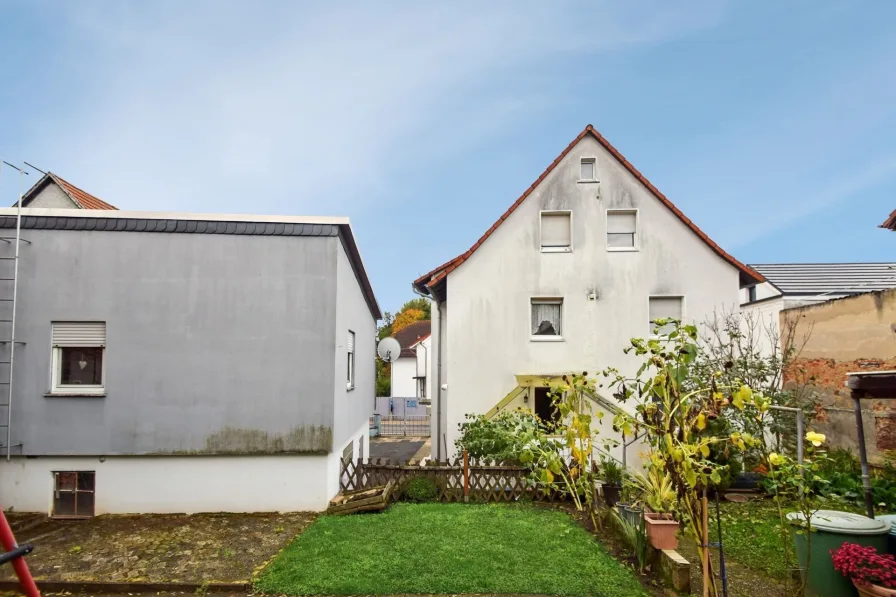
78,351
556,231
622,229
664,307
73,494
547,319
588,170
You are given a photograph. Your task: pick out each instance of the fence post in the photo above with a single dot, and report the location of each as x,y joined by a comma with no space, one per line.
466,477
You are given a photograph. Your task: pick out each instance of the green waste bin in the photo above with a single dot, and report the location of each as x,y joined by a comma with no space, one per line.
891,538
832,529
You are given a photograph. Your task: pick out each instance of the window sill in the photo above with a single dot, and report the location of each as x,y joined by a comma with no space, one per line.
545,338
73,394
622,249
594,181
556,249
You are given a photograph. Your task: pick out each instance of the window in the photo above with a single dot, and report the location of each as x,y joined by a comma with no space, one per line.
588,170
78,351
350,374
622,229
348,451
421,387
751,293
664,307
556,231
73,493
547,319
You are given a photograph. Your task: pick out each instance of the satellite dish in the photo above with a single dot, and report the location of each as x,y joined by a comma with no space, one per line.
388,349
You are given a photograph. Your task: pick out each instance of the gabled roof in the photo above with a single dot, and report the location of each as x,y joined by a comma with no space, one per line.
828,278
890,222
411,335
432,278
80,197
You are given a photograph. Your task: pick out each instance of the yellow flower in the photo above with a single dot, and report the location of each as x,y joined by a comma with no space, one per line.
775,459
816,438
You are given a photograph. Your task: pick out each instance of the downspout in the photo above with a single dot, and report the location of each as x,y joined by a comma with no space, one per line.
438,365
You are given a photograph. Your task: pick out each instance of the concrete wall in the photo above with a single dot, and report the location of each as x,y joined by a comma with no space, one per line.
352,407
215,343
52,196
488,336
857,333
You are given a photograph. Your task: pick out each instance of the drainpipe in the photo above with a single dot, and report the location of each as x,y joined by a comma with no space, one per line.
438,375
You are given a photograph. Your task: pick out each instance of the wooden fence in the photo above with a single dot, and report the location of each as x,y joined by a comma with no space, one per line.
458,481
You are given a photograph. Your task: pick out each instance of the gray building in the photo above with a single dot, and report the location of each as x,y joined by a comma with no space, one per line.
173,362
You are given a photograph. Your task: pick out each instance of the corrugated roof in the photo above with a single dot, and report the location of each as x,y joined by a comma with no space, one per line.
828,278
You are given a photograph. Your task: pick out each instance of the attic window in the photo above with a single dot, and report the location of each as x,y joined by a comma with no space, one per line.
664,307
547,319
556,231
588,170
622,229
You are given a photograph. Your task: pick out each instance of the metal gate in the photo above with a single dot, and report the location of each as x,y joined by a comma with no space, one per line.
395,416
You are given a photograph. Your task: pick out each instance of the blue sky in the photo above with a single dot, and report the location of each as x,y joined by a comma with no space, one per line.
771,124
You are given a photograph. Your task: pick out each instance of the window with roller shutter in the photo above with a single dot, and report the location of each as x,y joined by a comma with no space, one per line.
664,307
350,377
556,231
622,229
78,354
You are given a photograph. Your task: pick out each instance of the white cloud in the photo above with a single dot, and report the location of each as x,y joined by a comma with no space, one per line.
288,108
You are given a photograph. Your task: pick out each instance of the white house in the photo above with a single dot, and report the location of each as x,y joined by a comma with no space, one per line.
411,371
577,266
790,285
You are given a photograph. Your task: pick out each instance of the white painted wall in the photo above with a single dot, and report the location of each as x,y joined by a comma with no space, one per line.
488,334
763,291
52,196
403,383
188,484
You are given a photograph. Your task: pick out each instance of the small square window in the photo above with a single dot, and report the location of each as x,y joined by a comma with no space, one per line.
547,319
622,229
73,494
664,307
78,357
556,231
588,170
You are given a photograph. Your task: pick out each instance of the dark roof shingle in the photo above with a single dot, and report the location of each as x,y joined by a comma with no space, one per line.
828,278
410,335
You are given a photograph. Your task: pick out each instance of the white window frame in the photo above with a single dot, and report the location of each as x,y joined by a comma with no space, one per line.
56,386
351,362
650,326
558,338
593,161
556,212
637,243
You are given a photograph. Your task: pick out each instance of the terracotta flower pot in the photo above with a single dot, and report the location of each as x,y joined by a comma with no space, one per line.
874,591
661,530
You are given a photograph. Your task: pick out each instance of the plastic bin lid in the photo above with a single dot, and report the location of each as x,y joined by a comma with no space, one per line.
844,523
891,518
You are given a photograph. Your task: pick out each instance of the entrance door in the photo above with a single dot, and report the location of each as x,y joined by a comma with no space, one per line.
544,408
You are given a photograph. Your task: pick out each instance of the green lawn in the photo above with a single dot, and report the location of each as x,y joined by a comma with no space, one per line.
448,548
752,536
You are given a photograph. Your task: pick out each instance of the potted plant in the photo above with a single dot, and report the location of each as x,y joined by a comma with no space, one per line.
658,494
630,508
611,480
873,574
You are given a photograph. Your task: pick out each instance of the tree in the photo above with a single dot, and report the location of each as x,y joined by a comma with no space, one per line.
417,309
406,318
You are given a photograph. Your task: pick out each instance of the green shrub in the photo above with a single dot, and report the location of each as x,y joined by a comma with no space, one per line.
501,439
420,489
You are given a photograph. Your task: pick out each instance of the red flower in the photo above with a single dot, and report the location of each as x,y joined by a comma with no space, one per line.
864,566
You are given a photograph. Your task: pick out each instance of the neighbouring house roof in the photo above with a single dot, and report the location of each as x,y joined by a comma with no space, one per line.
142,222
80,197
890,222
828,278
436,276
412,335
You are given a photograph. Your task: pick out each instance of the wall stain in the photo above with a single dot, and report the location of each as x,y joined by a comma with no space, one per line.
305,439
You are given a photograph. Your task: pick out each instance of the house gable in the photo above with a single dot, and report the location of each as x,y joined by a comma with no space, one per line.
434,279
52,191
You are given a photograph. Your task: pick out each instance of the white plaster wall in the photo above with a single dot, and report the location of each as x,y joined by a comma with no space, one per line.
424,364
52,196
360,442
763,291
403,383
173,484
488,334
763,317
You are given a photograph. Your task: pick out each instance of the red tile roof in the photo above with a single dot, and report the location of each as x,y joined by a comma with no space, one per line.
80,197
430,279
890,222
411,335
